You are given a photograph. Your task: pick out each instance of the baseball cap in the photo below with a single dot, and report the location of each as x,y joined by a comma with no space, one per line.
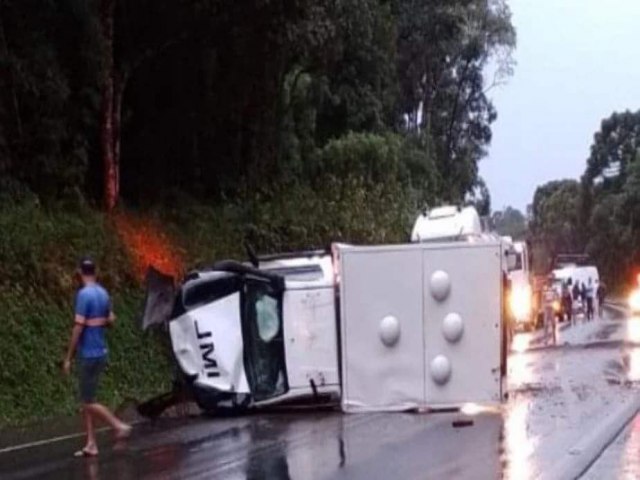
87,266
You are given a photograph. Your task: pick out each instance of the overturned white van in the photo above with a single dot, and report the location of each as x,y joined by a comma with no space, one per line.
391,327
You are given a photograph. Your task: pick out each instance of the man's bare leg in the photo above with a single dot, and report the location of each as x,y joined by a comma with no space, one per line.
122,429
91,446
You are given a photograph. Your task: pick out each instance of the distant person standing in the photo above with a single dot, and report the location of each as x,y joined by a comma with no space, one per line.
601,293
567,302
590,294
549,300
576,291
92,315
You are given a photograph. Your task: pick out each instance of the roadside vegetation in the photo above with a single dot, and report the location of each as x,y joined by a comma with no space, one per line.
38,252
169,133
41,246
600,213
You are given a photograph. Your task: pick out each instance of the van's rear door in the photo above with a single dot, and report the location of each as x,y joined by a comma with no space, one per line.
381,328
421,325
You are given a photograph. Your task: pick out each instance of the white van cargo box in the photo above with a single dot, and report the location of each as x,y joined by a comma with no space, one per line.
421,325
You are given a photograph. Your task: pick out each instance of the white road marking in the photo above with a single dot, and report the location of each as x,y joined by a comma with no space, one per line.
47,441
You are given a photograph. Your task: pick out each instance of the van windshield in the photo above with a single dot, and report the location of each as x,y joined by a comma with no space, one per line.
264,341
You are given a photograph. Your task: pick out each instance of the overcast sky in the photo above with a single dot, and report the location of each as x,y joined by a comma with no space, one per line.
577,62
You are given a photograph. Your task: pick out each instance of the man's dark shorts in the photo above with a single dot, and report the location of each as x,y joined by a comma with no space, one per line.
89,370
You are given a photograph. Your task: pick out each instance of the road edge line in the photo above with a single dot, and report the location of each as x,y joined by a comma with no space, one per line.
46,441
585,453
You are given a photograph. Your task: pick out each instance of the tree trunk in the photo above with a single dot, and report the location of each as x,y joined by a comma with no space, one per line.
111,185
119,86
12,79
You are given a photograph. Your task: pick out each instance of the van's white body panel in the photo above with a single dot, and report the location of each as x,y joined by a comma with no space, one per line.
310,328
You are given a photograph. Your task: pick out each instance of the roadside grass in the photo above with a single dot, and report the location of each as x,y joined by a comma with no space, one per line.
40,247
39,250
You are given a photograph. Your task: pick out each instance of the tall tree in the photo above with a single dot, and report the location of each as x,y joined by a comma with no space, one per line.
443,49
555,224
110,116
480,198
611,186
510,222
214,97
614,147
47,80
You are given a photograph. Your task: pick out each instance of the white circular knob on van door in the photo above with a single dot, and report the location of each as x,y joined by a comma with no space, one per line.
389,330
440,285
440,369
452,327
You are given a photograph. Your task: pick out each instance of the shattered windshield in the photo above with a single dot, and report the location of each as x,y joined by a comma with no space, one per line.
263,341
267,318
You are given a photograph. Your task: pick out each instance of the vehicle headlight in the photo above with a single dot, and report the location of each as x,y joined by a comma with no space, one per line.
520,303
634,300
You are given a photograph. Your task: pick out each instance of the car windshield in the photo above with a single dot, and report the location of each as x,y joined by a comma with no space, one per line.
263,341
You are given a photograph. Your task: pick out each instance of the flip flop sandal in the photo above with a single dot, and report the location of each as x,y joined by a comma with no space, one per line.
85,453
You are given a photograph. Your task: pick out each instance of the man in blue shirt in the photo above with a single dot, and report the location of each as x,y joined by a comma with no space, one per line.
92,315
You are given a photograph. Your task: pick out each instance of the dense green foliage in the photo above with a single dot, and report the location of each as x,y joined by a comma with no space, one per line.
601,214
38,250
218,97
37,259
611,196
555,221
510,222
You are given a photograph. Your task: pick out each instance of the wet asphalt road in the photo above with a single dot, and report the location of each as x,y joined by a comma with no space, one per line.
556,396
281,446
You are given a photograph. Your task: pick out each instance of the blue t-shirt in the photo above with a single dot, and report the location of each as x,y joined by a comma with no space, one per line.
92,301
